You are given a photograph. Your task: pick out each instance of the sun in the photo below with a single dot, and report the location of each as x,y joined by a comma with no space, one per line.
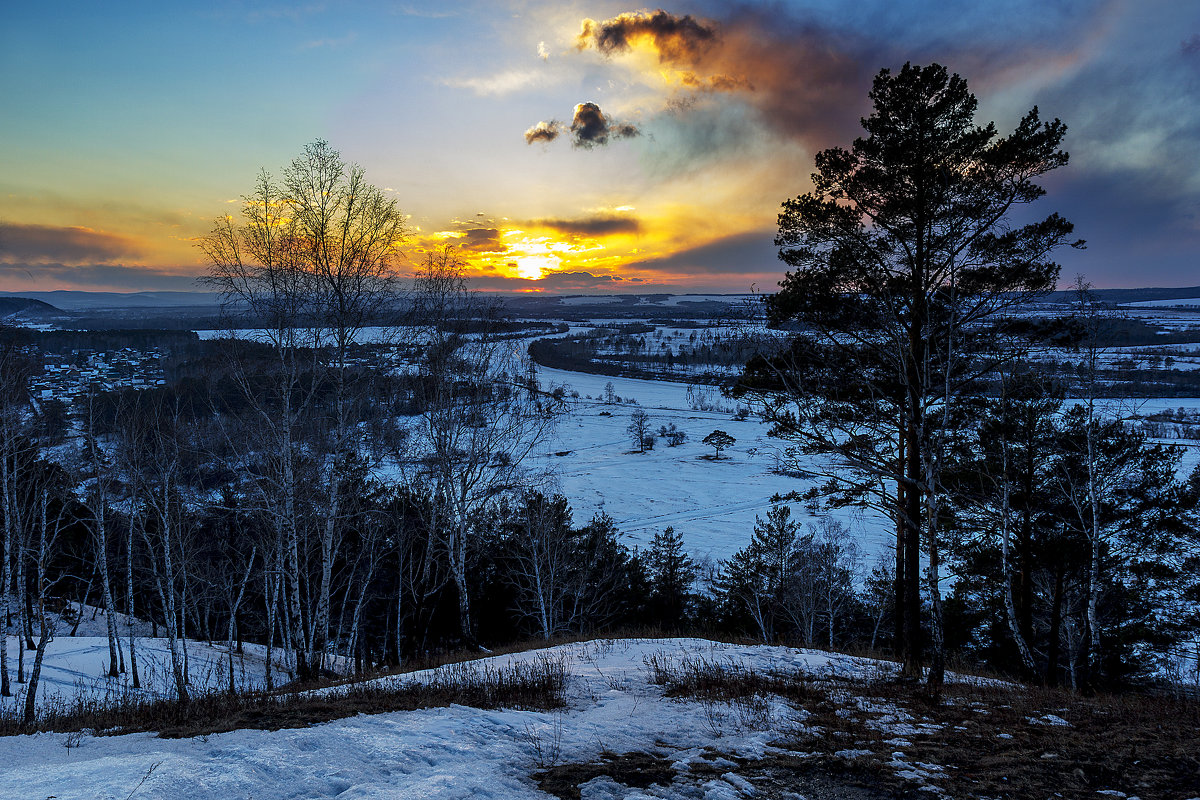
534,267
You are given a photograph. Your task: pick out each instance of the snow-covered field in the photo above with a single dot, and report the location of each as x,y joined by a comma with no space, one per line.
1185,302
712,504
76,667
454,752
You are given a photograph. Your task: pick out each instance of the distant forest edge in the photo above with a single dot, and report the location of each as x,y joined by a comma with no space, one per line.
638,350
714,356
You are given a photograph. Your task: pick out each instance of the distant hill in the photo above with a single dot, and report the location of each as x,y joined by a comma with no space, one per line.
87,301
633,306
1131,296
26,307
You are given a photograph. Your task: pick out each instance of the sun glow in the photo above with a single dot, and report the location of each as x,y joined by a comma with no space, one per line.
534,267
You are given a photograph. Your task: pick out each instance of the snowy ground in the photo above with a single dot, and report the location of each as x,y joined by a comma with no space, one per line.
454,752
76,667
843,734
713,504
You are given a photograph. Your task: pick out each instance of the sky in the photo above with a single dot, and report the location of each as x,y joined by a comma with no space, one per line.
564,147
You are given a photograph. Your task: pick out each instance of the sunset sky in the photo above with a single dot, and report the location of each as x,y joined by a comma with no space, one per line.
565,147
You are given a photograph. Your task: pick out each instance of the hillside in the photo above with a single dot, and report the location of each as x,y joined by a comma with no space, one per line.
642,718
26,308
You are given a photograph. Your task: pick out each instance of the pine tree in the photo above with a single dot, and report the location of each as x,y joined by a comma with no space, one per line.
905,260
672,573
764,581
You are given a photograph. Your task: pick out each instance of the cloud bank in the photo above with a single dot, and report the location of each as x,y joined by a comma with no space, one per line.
50,244
601,225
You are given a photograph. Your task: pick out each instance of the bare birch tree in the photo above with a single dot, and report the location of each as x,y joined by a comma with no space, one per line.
15,447
312,264
480,418
96,498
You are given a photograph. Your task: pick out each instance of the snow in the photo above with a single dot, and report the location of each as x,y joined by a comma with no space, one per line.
453,752
1048,719
76,668
712,504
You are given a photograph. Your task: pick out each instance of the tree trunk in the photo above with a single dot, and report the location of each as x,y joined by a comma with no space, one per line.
45,629
1052,645
1010,610
129,597
459,567
321,618
295,618
1092,659
114,668
937,662
233,609
898,584
5,574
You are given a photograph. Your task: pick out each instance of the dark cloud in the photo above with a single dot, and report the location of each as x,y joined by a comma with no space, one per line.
675,38
543,132
715,83
482,240
559,282
602,225
99,277
751,253
807,77
806,80
49,244
590,127
1191,45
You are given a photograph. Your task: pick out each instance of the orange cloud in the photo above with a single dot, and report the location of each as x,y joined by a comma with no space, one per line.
675,39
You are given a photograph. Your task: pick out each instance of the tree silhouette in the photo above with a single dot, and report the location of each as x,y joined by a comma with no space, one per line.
905,263
719,440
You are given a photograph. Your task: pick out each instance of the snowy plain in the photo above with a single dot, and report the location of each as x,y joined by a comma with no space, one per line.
712,504
454,752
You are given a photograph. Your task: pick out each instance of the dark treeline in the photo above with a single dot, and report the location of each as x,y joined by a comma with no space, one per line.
186,343
709,356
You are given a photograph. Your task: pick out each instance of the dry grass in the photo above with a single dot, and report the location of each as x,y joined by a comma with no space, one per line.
637,769
705,679
1143,746
988,740
536,685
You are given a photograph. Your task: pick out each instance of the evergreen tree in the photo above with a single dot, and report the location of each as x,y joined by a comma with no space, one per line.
904,257
719,440
764,583
672,573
